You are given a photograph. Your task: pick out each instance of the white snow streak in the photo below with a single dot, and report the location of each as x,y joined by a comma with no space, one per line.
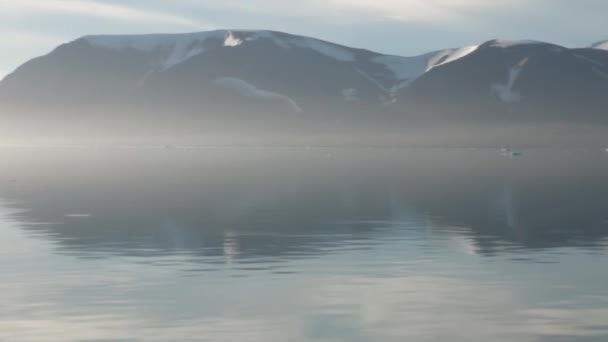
601,45
512,43
248,89
448,56
231,40
505,92
404,68
407,69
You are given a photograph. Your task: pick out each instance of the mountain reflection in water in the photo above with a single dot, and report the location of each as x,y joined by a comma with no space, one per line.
157,239
277,202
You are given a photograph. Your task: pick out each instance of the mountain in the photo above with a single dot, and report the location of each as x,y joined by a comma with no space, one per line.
265,82
296,74
603,45
515,81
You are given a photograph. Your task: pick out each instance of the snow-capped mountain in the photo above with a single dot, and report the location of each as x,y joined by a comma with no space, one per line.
386,72
603,45
275,80
515,80
260,65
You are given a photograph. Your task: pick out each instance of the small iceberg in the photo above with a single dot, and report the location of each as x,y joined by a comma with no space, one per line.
516,154
507,152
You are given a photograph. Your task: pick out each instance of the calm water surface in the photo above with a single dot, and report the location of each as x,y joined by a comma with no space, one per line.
135,244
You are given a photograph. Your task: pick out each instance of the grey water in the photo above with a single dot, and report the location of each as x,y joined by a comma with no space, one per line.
303,244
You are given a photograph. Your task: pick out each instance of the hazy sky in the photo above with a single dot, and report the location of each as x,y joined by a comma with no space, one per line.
30,28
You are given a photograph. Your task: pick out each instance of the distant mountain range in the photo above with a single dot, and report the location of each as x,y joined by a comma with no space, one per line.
270,81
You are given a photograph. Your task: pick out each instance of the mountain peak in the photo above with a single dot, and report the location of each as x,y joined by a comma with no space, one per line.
176,48
506,43
148,42
519,44
602,45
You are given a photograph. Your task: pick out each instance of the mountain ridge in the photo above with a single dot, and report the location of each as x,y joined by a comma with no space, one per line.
270,81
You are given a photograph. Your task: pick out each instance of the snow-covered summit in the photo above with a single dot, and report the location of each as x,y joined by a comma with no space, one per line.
448,56
405,69
527,44
155,42
505,43
169,50
174,49
603,45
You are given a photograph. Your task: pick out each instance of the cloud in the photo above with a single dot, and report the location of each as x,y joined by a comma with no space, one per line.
30,28
93,8
436,11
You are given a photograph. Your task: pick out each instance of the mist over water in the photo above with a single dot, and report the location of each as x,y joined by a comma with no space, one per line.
303,244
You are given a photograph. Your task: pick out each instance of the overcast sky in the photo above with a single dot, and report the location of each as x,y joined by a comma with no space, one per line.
29,28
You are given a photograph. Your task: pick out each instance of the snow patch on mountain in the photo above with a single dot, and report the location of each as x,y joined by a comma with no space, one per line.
448,56
247,89
511,43
404,68
505,92
600,45
231,40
